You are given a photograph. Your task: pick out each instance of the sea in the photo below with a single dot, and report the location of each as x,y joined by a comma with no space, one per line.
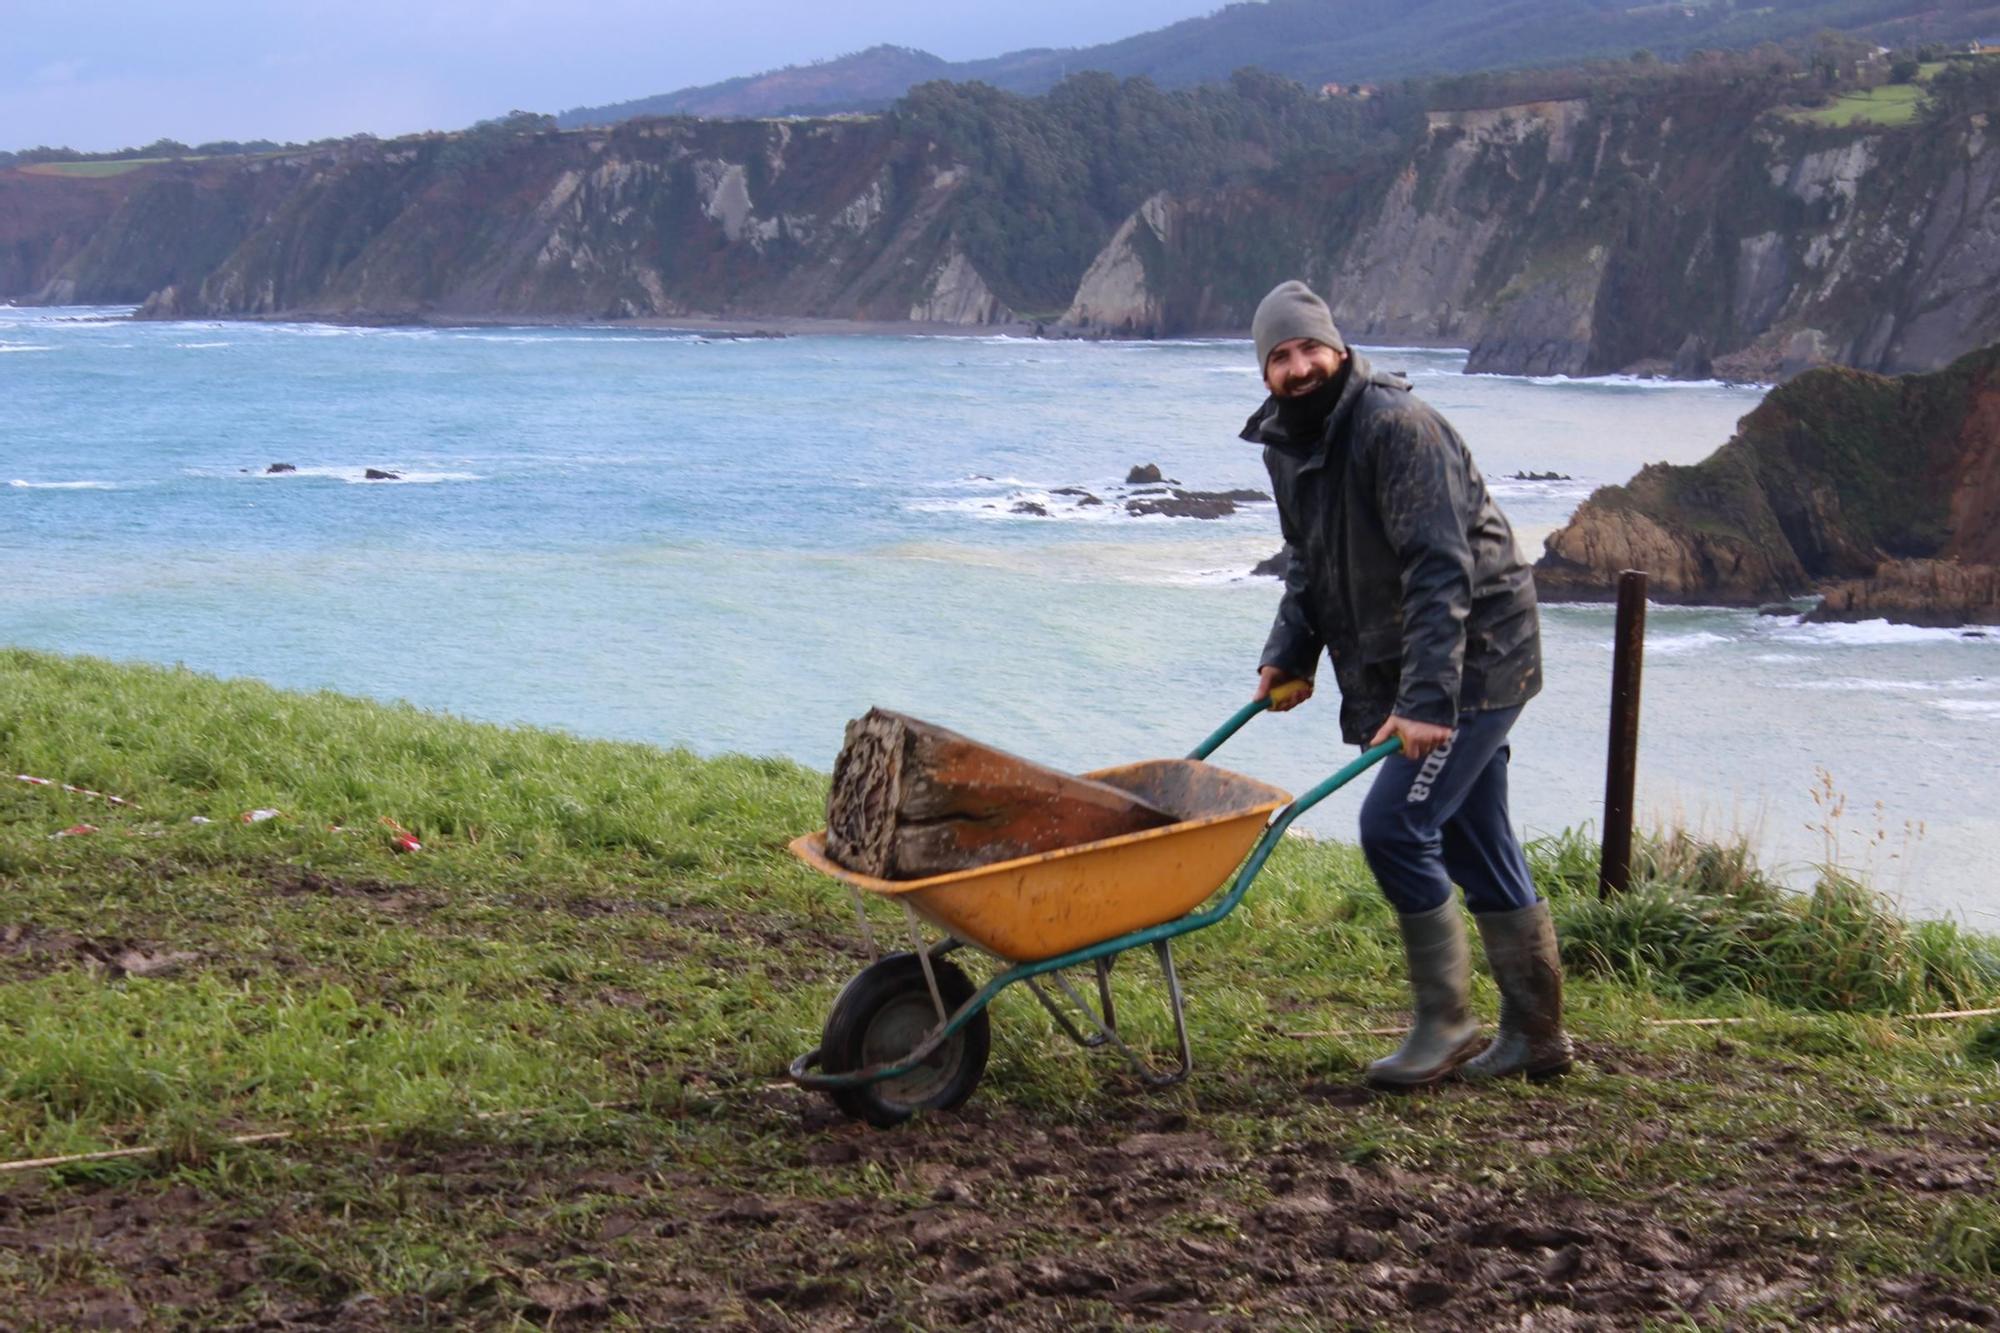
738,544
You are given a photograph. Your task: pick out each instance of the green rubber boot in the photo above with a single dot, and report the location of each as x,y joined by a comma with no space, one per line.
1442,1030
1527,966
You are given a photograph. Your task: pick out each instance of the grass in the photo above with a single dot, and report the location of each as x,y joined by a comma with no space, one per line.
594,923
1705,921
96,170
1968,1238
1889,104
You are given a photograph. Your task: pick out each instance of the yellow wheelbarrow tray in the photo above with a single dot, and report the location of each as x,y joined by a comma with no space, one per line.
1037,907
910,1033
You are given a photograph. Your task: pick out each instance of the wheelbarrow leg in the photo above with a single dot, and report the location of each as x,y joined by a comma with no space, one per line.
925,956
1104,992
1165,949
1088,1041
1107,1028
867,931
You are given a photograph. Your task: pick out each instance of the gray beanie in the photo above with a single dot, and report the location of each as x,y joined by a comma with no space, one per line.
1292,311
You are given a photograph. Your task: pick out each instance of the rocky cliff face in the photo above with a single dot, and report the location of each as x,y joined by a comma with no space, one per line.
1439,258
656,219
956,294
1575,238
1115,294
1938,593
1883,492
47,220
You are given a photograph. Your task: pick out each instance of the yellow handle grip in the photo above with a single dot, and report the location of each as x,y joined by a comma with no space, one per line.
1290,692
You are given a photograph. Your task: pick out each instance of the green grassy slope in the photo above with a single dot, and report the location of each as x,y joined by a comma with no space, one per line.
610,938
93,170
1890,104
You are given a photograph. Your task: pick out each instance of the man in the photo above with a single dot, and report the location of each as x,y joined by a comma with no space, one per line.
1404,571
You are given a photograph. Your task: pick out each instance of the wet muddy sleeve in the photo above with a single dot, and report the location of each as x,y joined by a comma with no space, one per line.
1294,646
1421,488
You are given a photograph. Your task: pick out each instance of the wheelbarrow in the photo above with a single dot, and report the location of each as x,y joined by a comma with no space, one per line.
911,1033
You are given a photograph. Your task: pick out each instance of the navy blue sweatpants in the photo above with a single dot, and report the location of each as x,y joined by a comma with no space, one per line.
1426,826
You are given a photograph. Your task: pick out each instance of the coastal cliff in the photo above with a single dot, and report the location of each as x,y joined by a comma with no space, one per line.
46,222
1577,237
655,219
1882,493
1696,229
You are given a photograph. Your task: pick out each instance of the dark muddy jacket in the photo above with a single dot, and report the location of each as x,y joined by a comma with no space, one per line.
1401,567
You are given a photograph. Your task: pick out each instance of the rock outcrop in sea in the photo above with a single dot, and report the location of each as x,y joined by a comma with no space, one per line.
1881,493
1916,592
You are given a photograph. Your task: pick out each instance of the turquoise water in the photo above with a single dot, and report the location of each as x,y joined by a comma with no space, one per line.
739,544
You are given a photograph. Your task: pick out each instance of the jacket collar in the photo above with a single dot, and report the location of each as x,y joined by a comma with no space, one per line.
1267,427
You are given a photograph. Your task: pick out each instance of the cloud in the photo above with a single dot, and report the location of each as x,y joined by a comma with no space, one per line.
57,71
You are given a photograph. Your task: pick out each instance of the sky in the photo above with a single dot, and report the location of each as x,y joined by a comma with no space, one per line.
97,75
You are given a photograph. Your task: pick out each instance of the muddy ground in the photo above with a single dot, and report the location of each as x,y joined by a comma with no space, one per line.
1232,1204
982,1219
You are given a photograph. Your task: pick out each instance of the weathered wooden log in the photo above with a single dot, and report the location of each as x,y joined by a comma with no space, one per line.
911,800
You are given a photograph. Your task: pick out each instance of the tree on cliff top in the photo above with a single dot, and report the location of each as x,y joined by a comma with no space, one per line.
1963,88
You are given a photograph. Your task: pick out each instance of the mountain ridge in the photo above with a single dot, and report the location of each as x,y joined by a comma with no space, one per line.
1323,41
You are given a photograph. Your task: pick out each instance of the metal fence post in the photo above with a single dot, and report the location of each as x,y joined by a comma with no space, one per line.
1614,874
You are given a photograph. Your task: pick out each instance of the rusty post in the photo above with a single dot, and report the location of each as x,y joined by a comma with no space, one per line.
1621,766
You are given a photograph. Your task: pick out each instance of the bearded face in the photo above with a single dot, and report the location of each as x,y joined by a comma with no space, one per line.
1300,367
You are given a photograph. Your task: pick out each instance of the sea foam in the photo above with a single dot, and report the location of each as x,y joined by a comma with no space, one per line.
1968,707
359,475
1617,382
1873,685
1874,634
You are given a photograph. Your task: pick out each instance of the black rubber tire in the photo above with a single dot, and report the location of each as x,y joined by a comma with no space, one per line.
881,1015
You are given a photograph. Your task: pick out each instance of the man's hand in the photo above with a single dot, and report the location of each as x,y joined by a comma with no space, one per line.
1269,681
1418,738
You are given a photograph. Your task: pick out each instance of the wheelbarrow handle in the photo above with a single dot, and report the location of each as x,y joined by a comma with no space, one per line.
1283,817
1274,832
1369,758
1243,716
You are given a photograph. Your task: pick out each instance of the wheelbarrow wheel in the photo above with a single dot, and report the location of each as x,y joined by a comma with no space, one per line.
883,1014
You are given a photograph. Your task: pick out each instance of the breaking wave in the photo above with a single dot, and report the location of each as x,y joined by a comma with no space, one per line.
1617,382
1870,685
359,476
1875,634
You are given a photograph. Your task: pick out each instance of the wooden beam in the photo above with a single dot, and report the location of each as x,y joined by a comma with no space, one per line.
911,800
